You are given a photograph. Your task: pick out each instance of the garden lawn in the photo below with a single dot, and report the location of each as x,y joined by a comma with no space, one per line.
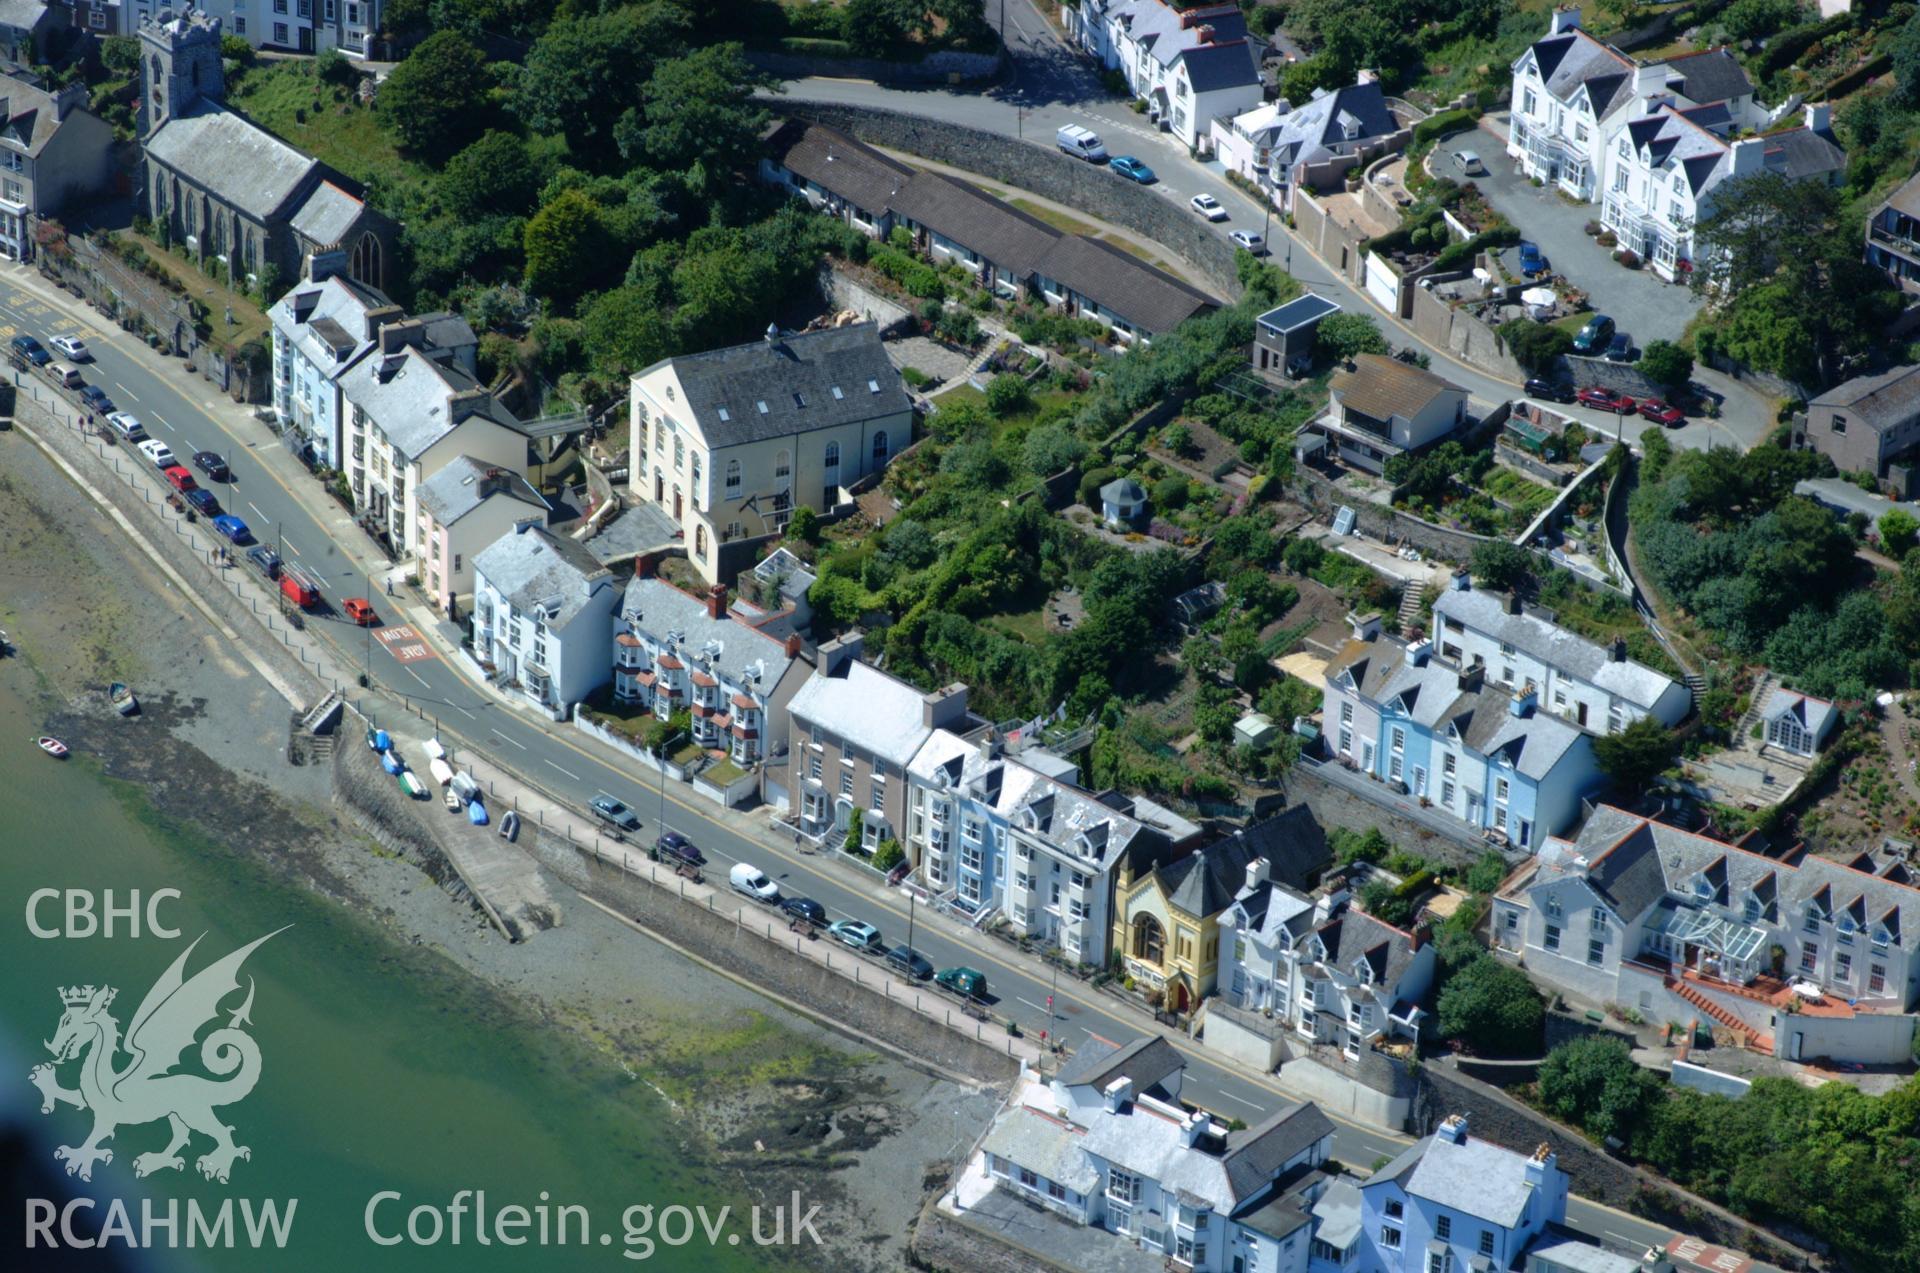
328,122
249,322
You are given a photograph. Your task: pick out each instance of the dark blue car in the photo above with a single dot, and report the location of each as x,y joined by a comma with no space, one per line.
1531,262
233,528
1132,169
97,398
203,502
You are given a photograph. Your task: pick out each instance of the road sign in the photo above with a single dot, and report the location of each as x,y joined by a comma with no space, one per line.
404,644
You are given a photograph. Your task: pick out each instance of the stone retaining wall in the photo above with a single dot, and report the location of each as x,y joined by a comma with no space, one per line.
1457,331
769,964
844,291
1037,167
1387,524
948,66
1335,806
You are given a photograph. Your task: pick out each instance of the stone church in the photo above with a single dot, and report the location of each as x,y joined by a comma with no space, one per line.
227,188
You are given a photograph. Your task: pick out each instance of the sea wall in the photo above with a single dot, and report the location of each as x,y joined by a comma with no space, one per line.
757,947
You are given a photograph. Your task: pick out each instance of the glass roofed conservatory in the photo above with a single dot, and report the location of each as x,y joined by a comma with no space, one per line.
1699,939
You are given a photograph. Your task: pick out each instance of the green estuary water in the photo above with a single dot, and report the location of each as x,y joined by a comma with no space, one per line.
382,1068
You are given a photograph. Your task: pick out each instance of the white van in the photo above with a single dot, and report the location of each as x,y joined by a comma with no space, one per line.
1081,143
127,426
747,878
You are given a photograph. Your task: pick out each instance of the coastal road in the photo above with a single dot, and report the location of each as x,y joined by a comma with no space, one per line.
1048,85
282,505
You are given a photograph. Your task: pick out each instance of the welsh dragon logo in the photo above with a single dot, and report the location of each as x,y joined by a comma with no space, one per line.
145,1088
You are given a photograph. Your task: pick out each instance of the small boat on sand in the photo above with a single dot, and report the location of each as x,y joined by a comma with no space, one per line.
52,746
477,814
120,694
509,826
442,772
411,785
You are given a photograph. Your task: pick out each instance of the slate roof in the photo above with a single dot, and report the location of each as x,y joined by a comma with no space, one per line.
1273,909
1076,824
840,374
1338,1214
1571,58
1254,1156
1293,843
1693,139
326,215
23,15
1814,714
328,321
1159,26
1298,312
1313,131
1123,490
1561,1249
416,400
236,159
1100,1062
1711,75
459,486
1880,402
1476,1177
959,211
1212,67
1118,282
1353,936
734,651
28,113
1044,1145
873,711
1565,651
1383,387
1907,198
533,567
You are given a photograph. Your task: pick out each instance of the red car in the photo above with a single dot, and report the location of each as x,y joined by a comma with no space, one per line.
1662,413
360,611
178,478
1606,400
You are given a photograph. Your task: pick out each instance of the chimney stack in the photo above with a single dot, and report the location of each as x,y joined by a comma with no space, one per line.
836,654
944,706
1472,677
1422,934
1539,1163
1453,1129
1749,155
717,601
1618,654
646,565
1117,1094
1567,19
1512,602
1819,117
1191,1129
1365,626
1257,872
793,645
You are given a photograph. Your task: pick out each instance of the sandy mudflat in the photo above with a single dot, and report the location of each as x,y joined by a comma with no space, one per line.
772,1102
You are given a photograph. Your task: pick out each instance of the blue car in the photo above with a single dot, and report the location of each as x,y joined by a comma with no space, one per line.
233,528
1132,169
203,502
1531,262
97,398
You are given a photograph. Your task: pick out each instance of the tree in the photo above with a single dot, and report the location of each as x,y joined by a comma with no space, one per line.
1898,531
437,100
567,246
1491,1007
1383,901
1593,1083
625,330
1051,449
1006,394
495,176
1177,438
1633,757
699,112
1502,567
233,48
1342,336
1535,346
1906,63
332,67
1756,19
804,525
585,73
121,54
1667,364
877,28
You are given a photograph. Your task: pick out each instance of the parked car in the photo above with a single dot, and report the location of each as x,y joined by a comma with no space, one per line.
1605,400
266,560
1620,348
360,611
1662,413
230,526
856,935
203,501
128,426
1207,206
613,813
210,463
1469,161
1531,262
1252,240
962,981
1081,143
1132,169
749,879
178,478
31,350
677,849
96,397
66,375
1593,338
804,908
158,452
909,962
1551,390
73,347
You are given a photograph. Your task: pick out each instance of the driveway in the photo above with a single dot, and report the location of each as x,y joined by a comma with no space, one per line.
1643,306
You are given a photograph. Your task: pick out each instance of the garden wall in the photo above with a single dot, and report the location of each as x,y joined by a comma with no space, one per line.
1463,335
1620,377
949,66
1036,167
1390,525
843,291
1332,240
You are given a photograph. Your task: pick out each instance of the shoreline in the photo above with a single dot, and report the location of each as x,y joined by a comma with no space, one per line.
766,1100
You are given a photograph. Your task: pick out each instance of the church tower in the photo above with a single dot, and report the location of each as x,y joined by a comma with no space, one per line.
179,66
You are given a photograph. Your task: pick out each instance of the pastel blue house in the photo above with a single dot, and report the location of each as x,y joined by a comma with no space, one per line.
1448,1204
1484,753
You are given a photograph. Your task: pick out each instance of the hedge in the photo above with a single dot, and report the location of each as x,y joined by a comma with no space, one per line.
1457,254
813,46
1435,126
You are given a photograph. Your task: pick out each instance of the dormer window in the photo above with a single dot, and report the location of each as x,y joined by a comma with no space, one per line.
1752,909
1881,937
1813,921
1701,888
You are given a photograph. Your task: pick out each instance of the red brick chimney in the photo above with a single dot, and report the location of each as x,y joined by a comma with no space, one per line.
646,565
717,601
793,645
